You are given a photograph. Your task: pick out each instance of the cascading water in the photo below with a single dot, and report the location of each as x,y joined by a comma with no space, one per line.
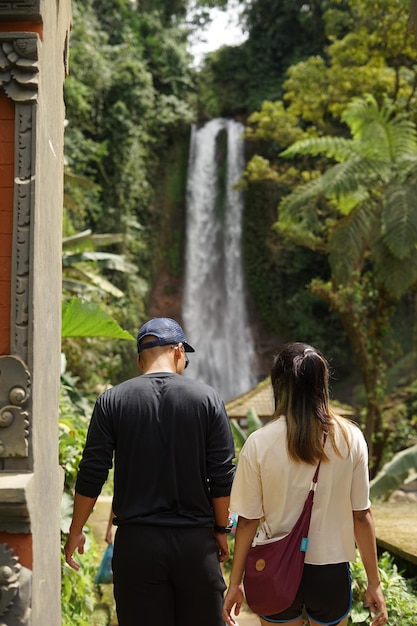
214,307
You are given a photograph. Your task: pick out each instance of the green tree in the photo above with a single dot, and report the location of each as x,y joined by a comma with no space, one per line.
369,52
129,97
360,214
235,80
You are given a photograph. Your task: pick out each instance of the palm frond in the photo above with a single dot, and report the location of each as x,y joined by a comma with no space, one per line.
103,259
336,148
403,138
301,197
348,241
363,112
103,284
388,137
92,282
345,179
77,287
399,219
78,241
396,275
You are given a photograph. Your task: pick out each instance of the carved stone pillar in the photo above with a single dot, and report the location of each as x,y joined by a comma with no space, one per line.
33,56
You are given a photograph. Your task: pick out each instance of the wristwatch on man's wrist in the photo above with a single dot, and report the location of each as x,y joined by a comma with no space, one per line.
224,530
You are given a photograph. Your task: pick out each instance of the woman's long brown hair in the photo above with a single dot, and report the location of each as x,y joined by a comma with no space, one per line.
300,381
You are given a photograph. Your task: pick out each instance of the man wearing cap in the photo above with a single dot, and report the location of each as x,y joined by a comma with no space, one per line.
173,469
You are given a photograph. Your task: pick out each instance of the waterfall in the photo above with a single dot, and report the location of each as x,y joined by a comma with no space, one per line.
214,307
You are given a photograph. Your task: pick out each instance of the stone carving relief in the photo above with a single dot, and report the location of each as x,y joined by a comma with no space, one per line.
19,71
19,79
20,9
15,589
23,193
15,387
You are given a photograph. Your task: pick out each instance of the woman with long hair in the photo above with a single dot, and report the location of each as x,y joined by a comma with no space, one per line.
273,477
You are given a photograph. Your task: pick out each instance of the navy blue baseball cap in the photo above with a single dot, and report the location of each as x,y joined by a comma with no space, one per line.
165,330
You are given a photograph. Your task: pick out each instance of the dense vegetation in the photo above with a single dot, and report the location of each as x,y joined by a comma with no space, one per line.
327,90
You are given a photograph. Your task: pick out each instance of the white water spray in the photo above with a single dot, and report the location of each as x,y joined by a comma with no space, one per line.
214,307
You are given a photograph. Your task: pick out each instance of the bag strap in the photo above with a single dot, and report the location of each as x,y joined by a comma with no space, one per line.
316,474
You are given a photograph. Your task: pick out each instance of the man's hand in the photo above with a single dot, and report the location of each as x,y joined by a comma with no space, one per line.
74,541
222,544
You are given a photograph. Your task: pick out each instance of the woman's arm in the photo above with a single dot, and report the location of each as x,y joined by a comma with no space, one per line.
245,532
366,541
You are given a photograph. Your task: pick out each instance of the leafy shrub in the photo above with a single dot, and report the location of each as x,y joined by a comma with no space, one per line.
78,592
400,599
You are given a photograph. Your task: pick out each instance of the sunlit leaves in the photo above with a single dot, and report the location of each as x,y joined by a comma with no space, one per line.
372,178
274,123
86,319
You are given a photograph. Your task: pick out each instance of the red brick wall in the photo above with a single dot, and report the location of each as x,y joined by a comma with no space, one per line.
7,115
21,546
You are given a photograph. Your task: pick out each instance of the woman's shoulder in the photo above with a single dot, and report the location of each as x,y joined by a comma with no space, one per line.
268,433
347,428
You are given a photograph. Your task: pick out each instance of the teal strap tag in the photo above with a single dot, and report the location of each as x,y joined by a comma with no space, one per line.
304,544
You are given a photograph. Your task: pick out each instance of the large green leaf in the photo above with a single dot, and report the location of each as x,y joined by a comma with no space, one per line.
103,259
239,434
87,240
87,319
101,283
403,466
253,421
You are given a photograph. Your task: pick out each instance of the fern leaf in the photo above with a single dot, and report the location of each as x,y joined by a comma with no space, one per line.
403,138
396,275
301,197
361,113
349,240
336,148
349,177
399,220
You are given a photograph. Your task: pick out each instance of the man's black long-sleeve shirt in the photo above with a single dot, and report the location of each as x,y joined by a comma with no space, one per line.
173,450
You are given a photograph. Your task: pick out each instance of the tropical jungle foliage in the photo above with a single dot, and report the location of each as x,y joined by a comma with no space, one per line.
327,90
336,211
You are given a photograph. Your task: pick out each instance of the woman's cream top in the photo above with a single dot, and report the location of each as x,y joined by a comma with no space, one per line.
268,484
